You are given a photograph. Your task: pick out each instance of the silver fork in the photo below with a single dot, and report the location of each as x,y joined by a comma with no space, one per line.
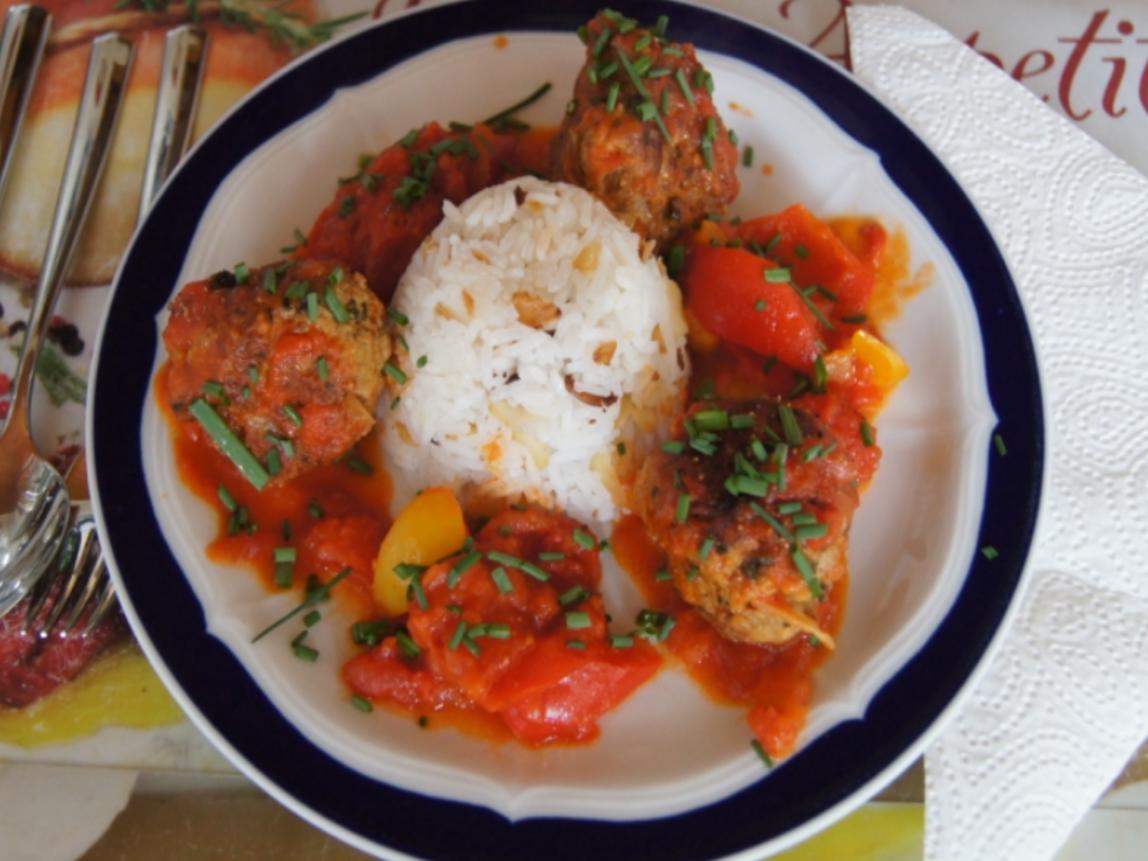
80,581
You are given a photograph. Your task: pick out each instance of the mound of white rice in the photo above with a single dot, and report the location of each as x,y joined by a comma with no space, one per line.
545,352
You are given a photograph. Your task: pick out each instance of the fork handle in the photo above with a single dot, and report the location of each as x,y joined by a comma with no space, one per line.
21,49
103,93
180,81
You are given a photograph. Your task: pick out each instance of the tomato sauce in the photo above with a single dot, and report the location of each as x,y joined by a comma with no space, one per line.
775,682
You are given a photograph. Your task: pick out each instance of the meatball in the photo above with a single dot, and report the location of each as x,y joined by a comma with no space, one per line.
642,133
291,356
752,508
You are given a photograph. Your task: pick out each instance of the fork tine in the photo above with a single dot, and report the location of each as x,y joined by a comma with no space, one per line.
44,586
105,598
91,569
73,578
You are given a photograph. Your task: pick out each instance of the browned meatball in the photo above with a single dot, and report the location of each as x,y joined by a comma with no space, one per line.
752,507
290,355
642,133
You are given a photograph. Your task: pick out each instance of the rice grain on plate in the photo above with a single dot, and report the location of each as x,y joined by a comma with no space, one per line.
546,352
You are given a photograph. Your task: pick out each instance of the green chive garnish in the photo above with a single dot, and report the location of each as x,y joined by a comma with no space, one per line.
760,751
789,425
315,596
456,638
673,446
585,540
398,316
866,431
989,552
338,310
805,569
813,530
395,373
502,580
321,368
998,441
363,705
293,414
572,596
356,464
776,275
226,498
305,653
682,512
228,443
462,566
576,620
575,644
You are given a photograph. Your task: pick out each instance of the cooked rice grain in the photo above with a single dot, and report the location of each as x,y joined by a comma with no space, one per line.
549,339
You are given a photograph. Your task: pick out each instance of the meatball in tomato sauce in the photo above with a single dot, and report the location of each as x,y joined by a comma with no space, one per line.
290,356
642,133
752,508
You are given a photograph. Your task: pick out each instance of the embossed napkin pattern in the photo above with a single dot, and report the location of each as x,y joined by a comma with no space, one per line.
1064,702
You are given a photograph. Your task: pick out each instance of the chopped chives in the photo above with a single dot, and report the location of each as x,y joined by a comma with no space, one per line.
270,279
673,446
989,552
315,509
758,450
284,554
683,509
759,305
338,310
312,307
789,425
805,569
747,156
711,420
241,273
529,568
356,464
761,753
662,576
502,580
504,559
772,244
998,441
612,96
810,531
575,644
293,414
789,507
742,421
312,619
577,620
585,540
347,205
854,319
321,368
408,140
801,251
214,389
622,641
363,705
600,43
667,626
572,596
497,631
416,591
319,593
457,637
297,290
226,498
866,431
774,523
407,570
228,443
394,372
407,646
706,548
305,653
551,556
751,486
776,275
462,566
398,316
676,260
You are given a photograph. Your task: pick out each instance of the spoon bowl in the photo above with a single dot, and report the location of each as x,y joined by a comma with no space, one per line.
32,527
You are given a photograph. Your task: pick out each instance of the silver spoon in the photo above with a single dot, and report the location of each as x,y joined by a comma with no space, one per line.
34,502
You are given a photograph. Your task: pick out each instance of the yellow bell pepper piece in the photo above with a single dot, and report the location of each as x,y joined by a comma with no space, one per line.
886,366
429,528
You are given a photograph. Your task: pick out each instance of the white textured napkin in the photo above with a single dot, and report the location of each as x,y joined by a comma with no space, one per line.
1065,700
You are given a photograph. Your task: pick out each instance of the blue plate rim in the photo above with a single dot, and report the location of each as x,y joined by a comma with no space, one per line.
813,786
